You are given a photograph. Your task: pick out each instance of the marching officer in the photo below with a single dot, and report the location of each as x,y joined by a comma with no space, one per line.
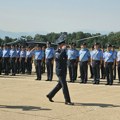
118,64
109,62
84,58
114,70
61,71
49,56
6,57
22,59
72,58
29,55
96,61
1,53
13,56
38,53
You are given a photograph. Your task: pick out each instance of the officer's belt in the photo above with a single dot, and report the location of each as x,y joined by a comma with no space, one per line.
96,60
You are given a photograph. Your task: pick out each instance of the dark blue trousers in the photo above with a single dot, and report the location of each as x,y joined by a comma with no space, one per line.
49,65
61,84
38,69
29,65
13,65
22,65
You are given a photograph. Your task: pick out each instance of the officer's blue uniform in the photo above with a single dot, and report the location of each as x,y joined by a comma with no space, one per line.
38,58
61,71
118,61
13,55
96,57
72,57
84,56
49,55
29,55
1,53
22,63
109,58
114,70
6,56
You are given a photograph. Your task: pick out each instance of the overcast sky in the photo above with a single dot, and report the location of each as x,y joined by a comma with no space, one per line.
59,15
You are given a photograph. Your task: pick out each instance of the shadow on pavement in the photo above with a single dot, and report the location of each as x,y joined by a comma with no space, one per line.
96,104
24,108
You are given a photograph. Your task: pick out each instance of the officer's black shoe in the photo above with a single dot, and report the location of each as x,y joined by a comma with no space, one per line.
47,80
111,84
50,99
81,82
69,103
79,76
119,82
97,82
94,82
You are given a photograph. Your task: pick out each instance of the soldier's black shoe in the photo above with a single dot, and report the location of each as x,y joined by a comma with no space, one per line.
107,84
50,99
69,103
47,80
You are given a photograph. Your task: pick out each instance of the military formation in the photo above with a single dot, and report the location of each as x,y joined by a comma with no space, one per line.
102,62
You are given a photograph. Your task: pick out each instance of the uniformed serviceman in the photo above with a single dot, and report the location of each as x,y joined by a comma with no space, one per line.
91,70
102,65
72,58
22,59
77,60
84,58
6,58
118,64
109,62
38,53
18,49
1,53
96,61
13,59
61,71
114,70
29,55
49,57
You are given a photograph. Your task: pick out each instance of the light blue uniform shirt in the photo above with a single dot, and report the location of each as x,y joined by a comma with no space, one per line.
1,53
96,54
29,54
6,53
109,56
39,54
13,53
23,53
18,53
115,53
118,56
84,55
72,54
49,53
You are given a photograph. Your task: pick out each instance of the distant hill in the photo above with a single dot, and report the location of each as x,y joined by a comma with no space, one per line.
17,34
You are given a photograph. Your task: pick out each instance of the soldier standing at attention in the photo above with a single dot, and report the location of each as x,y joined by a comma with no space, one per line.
77,60
49,56
102,65
18,49
13,59
29,55
72,56
22,59
1,53
109,62
61,71
84,58
39,54
6,56
114,70
96,61
118,64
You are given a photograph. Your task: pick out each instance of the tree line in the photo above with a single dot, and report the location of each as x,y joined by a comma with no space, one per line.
113,38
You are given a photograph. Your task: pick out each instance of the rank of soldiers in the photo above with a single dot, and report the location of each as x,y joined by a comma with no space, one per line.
16,59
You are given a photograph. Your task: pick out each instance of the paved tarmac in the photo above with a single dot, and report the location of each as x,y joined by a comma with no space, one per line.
23,98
